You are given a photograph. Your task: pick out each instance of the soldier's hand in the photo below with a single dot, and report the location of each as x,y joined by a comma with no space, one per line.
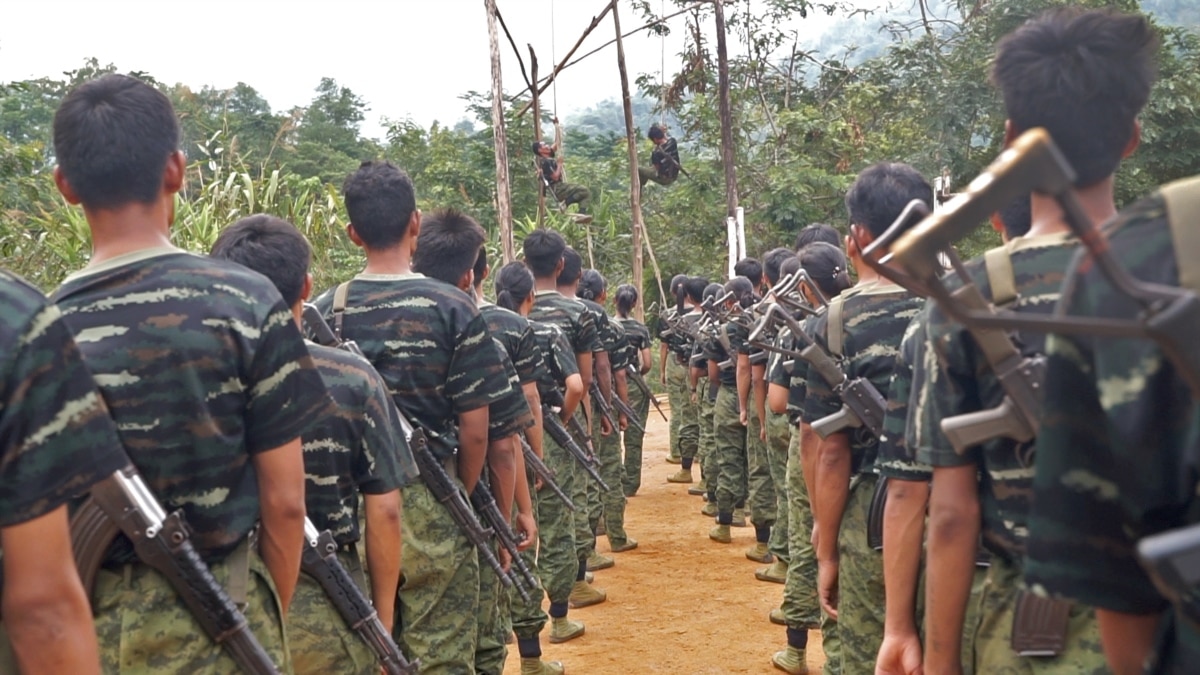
812,538
527,529
900,654
743,418
827,586
762,433
605,428
623,422
694,399
505,558
662,377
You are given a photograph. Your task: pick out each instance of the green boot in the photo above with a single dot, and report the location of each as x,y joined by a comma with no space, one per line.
622,546
536,666
776,616
710,509
696,491
583,595
759,553
720,534
672,459
739,518
563,629
681,476
599,562
790,660
776,573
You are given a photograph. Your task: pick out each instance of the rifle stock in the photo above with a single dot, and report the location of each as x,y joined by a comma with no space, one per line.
544,473
640,381
554,427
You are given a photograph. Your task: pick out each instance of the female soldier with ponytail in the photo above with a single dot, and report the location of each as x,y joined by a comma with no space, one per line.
626,299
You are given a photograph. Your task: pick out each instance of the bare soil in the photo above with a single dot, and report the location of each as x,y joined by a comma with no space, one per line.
679,603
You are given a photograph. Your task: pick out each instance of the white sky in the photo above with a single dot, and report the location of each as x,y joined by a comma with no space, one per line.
406,58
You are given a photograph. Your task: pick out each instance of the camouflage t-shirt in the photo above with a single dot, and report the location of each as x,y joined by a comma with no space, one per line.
510,413
359,447
638,337
559,360
1116,452
56,437
896,459
963,382
428,341
679,342
874,317
515,333
712,349
610,333
202,366
571,317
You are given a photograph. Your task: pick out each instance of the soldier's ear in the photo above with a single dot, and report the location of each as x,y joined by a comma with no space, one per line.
353,234
306,290
64,187
1135,139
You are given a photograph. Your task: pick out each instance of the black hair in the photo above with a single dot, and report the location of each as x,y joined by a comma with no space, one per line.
625,299
742,290
448,245
817,232
572,267
1017,217
825,264
677,281
713,290
692,287
656,131
543,250
113,137
591,285
750,268
1083,76
790,266
270,246
481,265
514,285
537,145
880,193
773,260
380,201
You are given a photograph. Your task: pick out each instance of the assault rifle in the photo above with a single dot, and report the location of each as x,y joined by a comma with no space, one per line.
320,562
485,503
544,473
635,376
122,503
554,427
605,407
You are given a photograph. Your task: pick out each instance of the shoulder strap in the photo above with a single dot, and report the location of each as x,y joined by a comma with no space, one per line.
1000,275
339,307
1183,213
835,335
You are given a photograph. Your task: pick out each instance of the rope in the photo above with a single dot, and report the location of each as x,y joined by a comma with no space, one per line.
662,68
553,56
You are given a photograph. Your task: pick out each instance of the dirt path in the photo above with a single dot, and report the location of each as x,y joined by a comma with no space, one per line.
679,603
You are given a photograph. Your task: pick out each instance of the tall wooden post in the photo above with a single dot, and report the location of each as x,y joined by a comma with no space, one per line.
635,186
500,140
537,136
724,109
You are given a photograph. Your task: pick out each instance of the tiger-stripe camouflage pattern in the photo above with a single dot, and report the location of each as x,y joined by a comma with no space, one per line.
896,460
516,334
510,414
1097,488
57,437
874,318
779,437
357,448
609,503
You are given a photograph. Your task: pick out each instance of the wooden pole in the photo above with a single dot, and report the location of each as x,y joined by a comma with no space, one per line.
500,141
635,185
587,31
725,111
537,136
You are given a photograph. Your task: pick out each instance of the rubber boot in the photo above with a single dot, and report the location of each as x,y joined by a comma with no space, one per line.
599,562
696,491
739,518
563,629
536,666
720,534
589,577
776,617
790,660
621,547
583,595
601,528
681,476
671,459
759,553
776,573
710,509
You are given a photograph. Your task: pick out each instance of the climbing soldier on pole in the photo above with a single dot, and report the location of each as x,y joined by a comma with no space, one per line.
550,166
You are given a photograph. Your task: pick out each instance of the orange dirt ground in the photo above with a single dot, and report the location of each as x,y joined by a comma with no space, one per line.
679,603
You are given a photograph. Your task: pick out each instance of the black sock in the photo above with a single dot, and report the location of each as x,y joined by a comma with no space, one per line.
724,518
558,610
581,575
712,496
762,533
797,638
529,648
686,463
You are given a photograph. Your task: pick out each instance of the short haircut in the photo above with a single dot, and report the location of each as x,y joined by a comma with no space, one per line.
591,285
514,285
572,267
713,290
113,137
817,232
543,250
447,245
481,265
380,201
790,265
743,290
750,268
1017,217
880,193
270,246
537,145
625,298
772,262
825,264
656,132
693,288
1083,76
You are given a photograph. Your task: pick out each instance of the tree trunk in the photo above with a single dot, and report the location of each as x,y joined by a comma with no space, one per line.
635,188
500,140
724,109
537,136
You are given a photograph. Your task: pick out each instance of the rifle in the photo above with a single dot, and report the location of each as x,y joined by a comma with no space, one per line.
485,503
632,373
544,473
554,426
320,562
629,413
605,407
122,503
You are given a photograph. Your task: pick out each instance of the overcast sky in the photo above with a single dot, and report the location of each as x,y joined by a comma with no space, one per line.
406,58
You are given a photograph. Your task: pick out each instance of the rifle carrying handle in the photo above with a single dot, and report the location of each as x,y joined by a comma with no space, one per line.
838,421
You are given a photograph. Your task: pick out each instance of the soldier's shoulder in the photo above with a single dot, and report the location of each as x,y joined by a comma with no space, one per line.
20,303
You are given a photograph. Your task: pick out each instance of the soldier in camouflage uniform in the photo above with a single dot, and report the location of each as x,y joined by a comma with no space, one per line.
1089,106
205,374
58,441
704,389
872,317
544,251
359,449
685,412
638,336
433,350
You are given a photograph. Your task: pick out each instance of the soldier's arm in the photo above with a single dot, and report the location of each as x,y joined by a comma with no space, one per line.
534,433
1128,639
758,386
46,611
662,363
585,363
502,465
472,445
572,396
829,503
384,550
903,534
953,540
280,474
777,398
743,385
644,362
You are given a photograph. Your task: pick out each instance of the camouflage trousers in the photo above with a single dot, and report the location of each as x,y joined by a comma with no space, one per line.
568,194
649,173
631,477
557,556
439,590
319,639
761,489
993,632
730,451
706,438
588,505
142,626
493,625
685,423
611,502
860,582
779,437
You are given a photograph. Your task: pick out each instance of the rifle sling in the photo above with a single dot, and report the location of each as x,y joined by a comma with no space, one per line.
1183,212
1001,278
339,307
835,336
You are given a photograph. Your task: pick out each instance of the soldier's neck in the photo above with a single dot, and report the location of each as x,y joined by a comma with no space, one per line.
567,291
128,229
1096,201
545,284
394,260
